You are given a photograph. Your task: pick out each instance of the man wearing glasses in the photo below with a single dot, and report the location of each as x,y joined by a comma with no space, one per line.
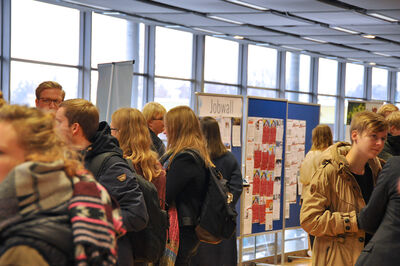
49,95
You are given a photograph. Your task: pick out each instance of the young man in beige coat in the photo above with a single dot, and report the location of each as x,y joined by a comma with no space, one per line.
340,188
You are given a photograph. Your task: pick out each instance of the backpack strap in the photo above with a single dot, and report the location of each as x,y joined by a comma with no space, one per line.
97,164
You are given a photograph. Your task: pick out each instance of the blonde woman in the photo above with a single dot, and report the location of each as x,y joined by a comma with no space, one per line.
186,179
321,140
129,126
41,198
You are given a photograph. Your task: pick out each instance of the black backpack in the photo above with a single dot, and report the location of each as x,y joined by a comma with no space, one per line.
217,219
148,245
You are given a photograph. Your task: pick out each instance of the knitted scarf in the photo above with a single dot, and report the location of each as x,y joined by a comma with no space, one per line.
34,189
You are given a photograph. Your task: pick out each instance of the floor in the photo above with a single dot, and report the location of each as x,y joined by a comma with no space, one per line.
299,262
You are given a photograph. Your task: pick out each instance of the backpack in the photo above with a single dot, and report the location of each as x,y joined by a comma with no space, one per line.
148,245
217,219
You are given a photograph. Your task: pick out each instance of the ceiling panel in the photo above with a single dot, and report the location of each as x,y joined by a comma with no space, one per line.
306,30
341,18
374,4
244,31
206,6
354,54
322,47
285,39
263,19
394,37
390,13
188,19
377,47
376,29
295,5
129,6
346,39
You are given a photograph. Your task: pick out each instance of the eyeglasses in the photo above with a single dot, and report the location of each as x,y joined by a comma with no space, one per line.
116,129
49,101
161,118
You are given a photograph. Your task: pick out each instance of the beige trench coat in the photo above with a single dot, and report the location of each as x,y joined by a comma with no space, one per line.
330,204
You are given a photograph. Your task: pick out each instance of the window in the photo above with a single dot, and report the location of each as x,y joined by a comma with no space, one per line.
173,53
397,97
327,115
44,32
113,40
327,76
261,93
25,77
220,89
262,67
171,92
297,97
379,83
354,85
221,60
298,72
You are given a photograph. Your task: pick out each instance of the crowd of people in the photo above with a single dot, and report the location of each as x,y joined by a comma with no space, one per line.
69,190
350,199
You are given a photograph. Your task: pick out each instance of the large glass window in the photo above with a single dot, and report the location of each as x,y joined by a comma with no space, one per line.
220,89
298,72
379,83
25,77
327,76
354,85
297,97
261,93
44,32
171,92
113,40
328,112
262,67
173,57
221,60
398,87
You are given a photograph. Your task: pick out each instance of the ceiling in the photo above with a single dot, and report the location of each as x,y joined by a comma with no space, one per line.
321,27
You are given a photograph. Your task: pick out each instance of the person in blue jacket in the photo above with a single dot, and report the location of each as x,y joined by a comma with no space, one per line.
77,122
224,253
381,217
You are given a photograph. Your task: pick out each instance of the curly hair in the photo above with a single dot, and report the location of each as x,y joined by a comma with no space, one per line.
37,136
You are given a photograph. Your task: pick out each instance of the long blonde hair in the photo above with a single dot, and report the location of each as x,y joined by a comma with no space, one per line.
134,139
183,132
37,136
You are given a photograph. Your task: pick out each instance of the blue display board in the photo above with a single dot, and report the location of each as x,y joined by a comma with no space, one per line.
310,113
271,108
282,109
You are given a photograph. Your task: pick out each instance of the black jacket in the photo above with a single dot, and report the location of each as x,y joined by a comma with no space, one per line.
118,179
50,235
230,170
391,148
381,216
158,145
186,186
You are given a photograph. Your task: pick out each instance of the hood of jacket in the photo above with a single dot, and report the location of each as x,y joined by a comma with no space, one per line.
102,142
